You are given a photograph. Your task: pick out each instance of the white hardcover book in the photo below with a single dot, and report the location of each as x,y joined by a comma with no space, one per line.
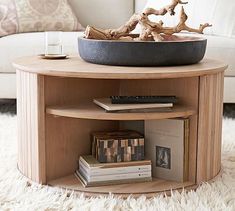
112,171
110,182
107,105
164,146
114,177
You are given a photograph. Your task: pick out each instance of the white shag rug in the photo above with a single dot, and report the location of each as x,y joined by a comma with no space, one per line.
17,194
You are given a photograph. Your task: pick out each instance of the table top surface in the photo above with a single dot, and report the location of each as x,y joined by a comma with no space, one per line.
75,67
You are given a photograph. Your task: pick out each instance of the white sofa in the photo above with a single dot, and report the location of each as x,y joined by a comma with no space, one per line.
104,14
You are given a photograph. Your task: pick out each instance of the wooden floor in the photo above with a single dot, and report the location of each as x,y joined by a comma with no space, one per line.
147,188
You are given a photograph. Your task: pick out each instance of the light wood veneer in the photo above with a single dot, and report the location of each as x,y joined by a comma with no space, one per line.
91,111
56,116
147,188
75,67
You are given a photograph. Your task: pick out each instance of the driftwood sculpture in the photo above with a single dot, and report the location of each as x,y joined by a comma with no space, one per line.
149,30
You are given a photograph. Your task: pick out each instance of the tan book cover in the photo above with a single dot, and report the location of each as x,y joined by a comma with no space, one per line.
93,172
166,145
90,162
107,105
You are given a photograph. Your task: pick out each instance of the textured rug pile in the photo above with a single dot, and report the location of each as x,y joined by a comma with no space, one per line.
17,194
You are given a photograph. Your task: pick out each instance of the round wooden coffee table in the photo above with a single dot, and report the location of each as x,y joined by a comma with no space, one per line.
56,116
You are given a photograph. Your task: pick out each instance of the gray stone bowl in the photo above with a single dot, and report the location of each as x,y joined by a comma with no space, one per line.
174,50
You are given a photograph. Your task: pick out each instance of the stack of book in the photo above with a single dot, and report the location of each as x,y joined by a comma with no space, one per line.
137,104
93,173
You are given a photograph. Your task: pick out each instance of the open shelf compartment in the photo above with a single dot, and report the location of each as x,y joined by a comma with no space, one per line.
49,147
68,136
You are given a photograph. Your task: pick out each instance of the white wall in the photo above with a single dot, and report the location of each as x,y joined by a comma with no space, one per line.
139,5
103,13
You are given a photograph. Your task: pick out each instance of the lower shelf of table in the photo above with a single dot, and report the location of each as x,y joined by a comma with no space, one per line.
145,188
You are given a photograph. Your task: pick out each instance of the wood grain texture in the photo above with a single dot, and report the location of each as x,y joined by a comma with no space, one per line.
64,92
91,111
210,126
77,68
154,187
186,89
49,145
68,138
148,189
31,123
73,91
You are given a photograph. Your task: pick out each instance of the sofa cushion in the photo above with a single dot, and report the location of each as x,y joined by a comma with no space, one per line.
33,15
222,48
27,44
103,13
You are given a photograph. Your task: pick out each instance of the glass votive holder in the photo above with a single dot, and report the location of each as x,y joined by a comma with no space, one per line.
53,43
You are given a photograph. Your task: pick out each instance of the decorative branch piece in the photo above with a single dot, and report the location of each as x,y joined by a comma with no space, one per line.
93,33
149,30
169,8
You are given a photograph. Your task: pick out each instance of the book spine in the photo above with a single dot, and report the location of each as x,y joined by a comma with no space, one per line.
93,146
186,150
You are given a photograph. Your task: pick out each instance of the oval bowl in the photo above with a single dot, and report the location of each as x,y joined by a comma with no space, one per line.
174,50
